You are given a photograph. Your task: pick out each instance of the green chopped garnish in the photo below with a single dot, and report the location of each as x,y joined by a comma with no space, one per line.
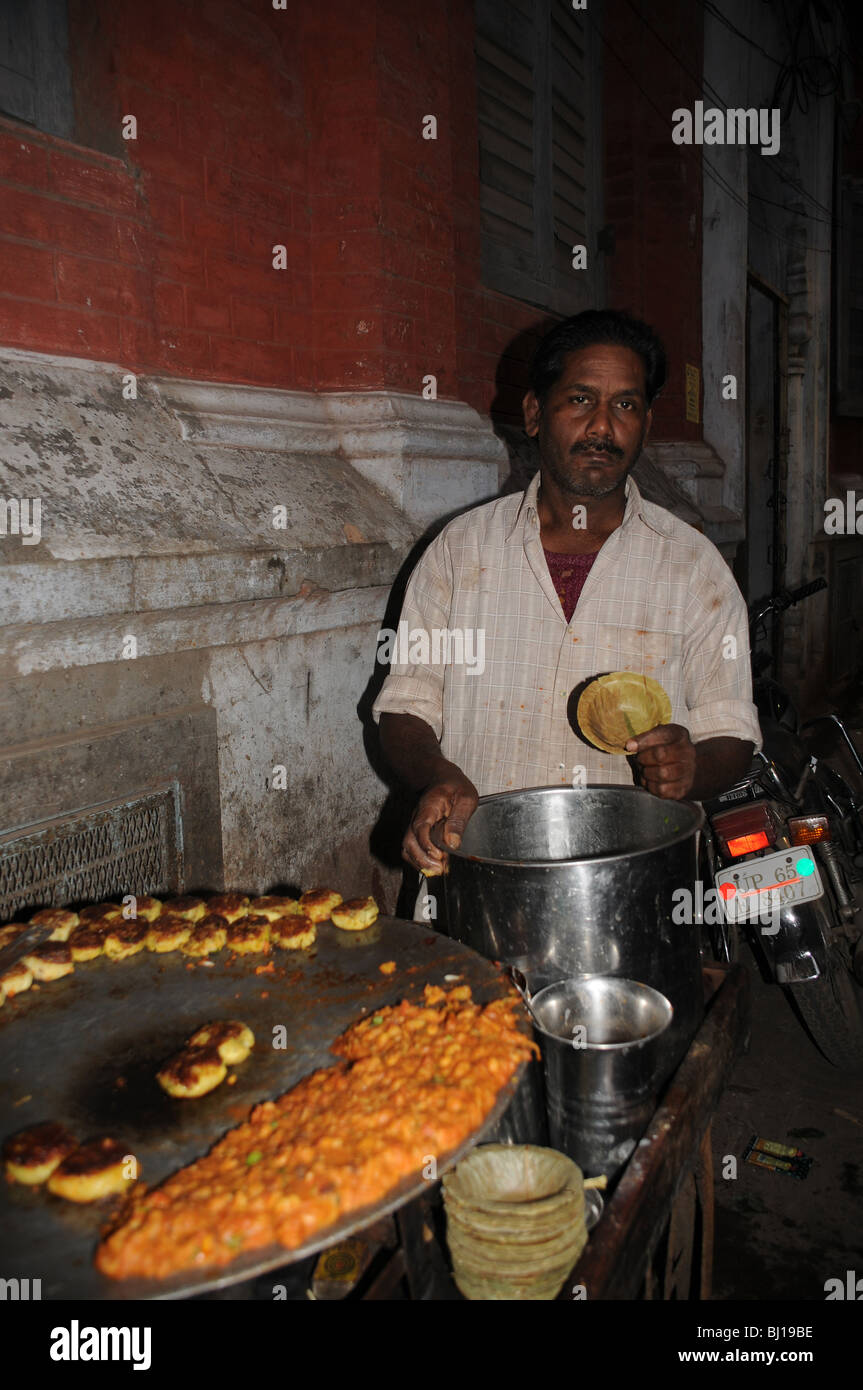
378,1018
274,1124
254,1157
233,1241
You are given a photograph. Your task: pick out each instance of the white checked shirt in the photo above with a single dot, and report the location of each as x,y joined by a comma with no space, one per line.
659,599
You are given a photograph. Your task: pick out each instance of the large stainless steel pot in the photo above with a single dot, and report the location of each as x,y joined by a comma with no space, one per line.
568,881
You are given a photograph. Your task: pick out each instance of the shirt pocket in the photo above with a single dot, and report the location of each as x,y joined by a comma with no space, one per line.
649,651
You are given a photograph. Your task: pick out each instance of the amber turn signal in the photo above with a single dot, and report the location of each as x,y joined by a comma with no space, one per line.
804,830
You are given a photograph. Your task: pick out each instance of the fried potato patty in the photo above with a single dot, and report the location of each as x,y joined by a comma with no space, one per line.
356,914
50,961
231,906
272,907
206,936
193,1072
318,903
88,941
293,933
15,980
11,933
190,909
101,912
167,933
147,909
126,938
232,1040
93,1170
61,920
249,935
32,1155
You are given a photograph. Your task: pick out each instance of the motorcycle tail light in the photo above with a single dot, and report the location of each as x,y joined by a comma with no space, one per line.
745,830
805,830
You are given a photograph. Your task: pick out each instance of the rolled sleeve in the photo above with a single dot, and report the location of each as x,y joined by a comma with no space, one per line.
411,694
418,687
717,671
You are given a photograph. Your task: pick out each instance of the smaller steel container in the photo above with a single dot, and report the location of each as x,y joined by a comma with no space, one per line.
601,1040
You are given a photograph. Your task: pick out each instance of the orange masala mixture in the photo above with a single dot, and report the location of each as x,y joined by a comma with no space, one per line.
415,1082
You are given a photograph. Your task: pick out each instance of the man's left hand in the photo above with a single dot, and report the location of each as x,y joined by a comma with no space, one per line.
665,761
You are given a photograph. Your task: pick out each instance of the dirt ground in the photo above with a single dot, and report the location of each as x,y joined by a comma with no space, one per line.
778,1237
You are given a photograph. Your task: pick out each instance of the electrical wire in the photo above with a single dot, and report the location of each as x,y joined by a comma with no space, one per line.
723,19
709,169
793,76
701,82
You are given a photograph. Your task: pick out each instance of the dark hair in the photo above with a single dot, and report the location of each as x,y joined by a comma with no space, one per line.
598,326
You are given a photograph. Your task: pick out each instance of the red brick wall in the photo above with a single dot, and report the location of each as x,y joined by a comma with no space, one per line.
380,195
653,188
302,128
162,259
256,128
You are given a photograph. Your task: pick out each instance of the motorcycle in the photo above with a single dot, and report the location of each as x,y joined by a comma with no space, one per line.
783,849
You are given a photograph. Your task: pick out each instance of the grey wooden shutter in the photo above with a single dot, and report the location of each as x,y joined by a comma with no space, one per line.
35,85
538,125
570,106
505,105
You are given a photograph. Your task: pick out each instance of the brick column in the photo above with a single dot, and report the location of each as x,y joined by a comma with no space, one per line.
380,196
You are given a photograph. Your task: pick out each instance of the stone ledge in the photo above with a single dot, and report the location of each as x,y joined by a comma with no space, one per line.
414,451
116,478
247,417
50,591
696,474
29,647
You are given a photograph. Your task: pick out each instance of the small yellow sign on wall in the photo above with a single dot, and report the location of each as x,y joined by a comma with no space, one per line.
693,393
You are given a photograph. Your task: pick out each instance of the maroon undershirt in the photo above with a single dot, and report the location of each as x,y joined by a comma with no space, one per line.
568,573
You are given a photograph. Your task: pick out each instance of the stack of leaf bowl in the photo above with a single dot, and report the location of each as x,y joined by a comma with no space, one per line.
515,1221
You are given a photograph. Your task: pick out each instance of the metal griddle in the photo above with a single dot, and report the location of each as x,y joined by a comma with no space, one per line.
85,1050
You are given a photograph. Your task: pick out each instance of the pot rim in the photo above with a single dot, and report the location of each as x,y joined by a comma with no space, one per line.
632,1044
674,839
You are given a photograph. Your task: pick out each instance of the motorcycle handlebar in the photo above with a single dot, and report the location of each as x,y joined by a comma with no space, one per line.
778,603
806,590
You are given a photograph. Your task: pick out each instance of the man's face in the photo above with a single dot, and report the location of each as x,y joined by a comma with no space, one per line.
594,421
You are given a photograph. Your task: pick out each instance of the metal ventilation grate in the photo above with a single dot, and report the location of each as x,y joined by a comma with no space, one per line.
124,847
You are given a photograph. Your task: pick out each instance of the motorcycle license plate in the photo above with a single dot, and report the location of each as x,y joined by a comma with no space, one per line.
756,887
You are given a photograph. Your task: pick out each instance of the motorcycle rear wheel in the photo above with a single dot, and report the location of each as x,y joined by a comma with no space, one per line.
832,1010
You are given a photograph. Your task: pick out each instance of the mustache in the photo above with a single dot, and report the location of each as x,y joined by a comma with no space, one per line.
600,447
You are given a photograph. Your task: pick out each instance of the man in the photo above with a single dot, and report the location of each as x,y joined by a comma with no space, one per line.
576,576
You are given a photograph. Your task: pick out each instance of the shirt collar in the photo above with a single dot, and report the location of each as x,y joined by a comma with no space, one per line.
636,509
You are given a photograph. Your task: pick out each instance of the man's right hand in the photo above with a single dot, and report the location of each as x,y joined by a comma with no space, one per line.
452,800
